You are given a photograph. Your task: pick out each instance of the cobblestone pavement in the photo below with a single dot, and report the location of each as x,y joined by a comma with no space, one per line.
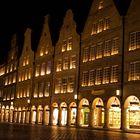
39,132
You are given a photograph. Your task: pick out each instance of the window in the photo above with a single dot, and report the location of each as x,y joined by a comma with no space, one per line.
7,70
36,90
73,62
11,68
100,26
42,51
1,93
91,77
37,71
114,74
49,65
85,78
134,41
100,5
65,64
29,73
12,93
59,65
98,79
115,46
58,86
47,89
64,46
28,91
43,66
41,86
94,28
64,85
69,47
106,23
26,74
99,50
85,54
106,75
107,48
71,84
92,53
134,71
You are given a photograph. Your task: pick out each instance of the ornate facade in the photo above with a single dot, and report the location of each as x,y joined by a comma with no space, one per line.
87,80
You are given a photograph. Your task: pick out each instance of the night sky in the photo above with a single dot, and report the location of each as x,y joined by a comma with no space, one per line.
16,16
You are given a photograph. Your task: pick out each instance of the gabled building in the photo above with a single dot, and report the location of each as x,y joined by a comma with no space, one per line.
24,81
65,75
42,82
131,96
2,107
100,67
10,78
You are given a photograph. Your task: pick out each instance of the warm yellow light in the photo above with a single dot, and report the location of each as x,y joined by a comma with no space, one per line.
75,96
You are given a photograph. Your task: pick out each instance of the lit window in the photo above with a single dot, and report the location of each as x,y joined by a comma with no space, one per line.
114,74
85,78
10,80
92,53
28,91
100,5
7,70
91,77
26,74
100,26
98,79
37,71
69,47
23,73
85,54
94,28
19,77
41,86
11,68
59,65
30,73
42,51
134,41
64,85
46,50
107,48
107,23
134,71
58,86
115,46
70,84
36,91
64,46
49,65
73,62
6,81
99,50
43,66
106,75
65,64
47,90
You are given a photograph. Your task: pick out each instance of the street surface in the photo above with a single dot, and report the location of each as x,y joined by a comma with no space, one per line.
40,132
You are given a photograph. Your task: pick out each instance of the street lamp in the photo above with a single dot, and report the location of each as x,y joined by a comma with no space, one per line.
75,96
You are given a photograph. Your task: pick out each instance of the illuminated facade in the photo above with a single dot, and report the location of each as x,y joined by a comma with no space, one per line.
42,83
24,87
65,76
92,81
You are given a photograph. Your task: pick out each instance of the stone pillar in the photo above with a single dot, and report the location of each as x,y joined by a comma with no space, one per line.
99,117
106,118
123,119
91,118
68,116
59,116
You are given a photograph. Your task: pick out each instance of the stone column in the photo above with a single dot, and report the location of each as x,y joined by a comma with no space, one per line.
123,119
106,118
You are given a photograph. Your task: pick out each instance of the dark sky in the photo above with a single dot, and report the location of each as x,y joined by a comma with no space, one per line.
16,16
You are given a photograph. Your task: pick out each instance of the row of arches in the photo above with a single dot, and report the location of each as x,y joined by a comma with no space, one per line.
97,114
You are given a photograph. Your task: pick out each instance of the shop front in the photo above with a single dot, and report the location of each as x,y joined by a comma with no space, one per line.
33,115
55,114
63,115
84,112
98,113
46,115
114,112
132,106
